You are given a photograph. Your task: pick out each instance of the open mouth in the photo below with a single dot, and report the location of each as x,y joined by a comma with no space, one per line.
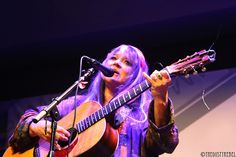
116,72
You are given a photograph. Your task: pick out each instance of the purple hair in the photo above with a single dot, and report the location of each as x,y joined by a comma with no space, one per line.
95,90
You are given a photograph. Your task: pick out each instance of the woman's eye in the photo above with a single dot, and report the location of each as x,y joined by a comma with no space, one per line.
127,63
113,58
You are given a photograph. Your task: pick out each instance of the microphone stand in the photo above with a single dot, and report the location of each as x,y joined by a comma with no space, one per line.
53,113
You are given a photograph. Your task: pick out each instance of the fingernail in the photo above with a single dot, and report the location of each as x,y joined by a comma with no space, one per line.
58,147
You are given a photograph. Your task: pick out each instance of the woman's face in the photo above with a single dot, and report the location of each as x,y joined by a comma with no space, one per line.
122,66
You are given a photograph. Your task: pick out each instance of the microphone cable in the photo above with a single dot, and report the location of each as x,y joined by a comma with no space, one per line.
75,102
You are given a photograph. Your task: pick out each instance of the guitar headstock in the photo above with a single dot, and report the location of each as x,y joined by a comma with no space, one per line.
192,63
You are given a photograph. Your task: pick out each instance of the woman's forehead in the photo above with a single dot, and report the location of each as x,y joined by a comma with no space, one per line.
125,52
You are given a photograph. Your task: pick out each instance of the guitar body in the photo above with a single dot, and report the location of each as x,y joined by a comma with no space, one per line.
98,140
10,152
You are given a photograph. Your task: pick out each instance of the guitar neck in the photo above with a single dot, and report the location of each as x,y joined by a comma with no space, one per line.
112,106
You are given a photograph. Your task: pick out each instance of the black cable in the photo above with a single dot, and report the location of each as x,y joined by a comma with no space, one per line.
217,36
75,102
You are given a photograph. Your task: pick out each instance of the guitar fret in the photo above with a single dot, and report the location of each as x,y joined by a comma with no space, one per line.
85,124
92,118
140,87
102,113
84,127
129,95
78,127
119,101
95,117
137,90
89,121
110,107
132,94
114,104
98,115
86,120
124,98
82,124
146,83
106,110
134,91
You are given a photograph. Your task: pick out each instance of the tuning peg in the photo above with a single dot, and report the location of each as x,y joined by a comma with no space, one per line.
195,72
185,72
186,75
203,69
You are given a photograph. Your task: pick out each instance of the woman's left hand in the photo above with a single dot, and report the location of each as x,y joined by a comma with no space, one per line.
160,81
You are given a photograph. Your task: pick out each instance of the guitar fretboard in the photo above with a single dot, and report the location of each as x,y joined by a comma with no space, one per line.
112,106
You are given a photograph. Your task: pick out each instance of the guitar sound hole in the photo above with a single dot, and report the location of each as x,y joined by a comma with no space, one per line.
73,133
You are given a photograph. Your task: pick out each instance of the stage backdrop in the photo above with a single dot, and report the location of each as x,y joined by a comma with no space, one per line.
205,115
204,107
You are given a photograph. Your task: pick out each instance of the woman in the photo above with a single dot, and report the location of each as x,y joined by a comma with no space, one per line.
140,134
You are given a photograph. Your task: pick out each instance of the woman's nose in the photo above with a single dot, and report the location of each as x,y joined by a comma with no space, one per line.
116,63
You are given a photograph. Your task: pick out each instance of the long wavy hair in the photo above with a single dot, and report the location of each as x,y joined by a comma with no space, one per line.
96,88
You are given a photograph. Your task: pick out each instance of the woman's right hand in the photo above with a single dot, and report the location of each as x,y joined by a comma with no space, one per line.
38,129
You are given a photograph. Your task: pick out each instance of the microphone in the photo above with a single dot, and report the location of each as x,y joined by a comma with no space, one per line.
97,65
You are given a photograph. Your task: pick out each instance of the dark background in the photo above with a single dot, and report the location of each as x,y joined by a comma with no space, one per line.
41,42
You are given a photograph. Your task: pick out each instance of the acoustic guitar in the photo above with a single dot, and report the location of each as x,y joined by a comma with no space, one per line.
93,136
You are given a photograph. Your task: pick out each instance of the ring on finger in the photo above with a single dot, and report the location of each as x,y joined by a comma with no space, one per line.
159,76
